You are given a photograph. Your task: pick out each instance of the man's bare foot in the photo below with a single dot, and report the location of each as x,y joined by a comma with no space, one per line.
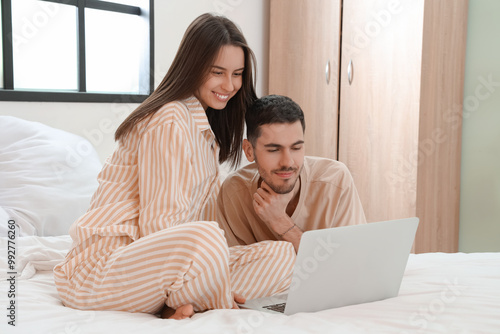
182,312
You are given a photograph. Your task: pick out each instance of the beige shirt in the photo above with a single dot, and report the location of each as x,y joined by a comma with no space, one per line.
328,198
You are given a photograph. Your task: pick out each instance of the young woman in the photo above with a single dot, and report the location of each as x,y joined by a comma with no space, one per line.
149,238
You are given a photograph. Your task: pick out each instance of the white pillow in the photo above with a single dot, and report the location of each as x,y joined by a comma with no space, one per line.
47,176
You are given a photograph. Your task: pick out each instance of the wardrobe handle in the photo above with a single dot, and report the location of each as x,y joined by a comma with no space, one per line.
350,72
327,72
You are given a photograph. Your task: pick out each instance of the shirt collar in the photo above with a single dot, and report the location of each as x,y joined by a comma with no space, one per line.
200,118
199,115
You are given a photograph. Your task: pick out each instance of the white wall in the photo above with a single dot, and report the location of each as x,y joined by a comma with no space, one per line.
480,184
173,17
98,121
93,121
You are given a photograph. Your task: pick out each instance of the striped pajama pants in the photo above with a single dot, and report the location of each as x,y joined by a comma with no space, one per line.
189,263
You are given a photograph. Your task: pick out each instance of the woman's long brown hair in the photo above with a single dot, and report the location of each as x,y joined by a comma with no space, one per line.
196,54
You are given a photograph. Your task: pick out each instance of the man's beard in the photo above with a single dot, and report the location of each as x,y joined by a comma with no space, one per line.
279,189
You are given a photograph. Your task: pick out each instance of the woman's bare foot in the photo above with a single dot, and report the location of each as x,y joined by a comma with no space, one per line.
238,299
187,311
182,312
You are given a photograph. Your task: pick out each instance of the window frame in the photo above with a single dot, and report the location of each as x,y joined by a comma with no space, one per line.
8,93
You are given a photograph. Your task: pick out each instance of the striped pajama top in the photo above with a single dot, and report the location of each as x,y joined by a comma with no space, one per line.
164,173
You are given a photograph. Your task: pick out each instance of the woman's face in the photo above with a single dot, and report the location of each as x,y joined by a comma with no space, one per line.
224,78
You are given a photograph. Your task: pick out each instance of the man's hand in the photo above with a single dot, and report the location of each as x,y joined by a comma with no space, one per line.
271,208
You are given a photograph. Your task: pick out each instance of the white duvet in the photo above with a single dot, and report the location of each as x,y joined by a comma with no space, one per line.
440,293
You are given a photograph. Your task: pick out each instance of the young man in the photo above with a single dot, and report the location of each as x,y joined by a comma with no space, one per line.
283,193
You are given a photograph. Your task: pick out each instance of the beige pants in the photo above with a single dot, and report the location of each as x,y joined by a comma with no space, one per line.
189,263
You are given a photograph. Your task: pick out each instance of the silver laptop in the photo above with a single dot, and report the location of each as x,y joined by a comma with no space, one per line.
345,266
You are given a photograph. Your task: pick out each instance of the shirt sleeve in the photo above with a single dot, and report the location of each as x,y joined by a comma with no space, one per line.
349,210
235,213
224,214
165,177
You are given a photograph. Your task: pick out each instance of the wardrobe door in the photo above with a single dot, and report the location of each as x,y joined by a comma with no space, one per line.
303,64
402,76
440,128
379,103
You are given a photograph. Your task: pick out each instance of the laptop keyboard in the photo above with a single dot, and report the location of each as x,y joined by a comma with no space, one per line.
276,307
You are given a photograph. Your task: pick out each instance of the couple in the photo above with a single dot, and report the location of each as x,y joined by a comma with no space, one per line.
151,239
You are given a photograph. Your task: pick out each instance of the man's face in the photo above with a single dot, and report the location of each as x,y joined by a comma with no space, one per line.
279,155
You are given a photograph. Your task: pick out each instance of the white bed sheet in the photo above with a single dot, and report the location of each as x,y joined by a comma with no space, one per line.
440,293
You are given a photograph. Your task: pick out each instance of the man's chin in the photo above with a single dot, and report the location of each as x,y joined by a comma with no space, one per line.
284,192
281,190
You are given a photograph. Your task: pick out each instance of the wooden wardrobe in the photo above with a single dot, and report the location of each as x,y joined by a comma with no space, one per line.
381,85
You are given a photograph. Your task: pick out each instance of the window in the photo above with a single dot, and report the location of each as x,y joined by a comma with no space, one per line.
76,50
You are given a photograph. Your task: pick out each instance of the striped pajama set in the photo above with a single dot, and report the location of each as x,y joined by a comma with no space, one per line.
149,237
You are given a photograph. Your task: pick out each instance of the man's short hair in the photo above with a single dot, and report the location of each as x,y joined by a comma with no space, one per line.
271,109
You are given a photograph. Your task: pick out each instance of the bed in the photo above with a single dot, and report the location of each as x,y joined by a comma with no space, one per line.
46,179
